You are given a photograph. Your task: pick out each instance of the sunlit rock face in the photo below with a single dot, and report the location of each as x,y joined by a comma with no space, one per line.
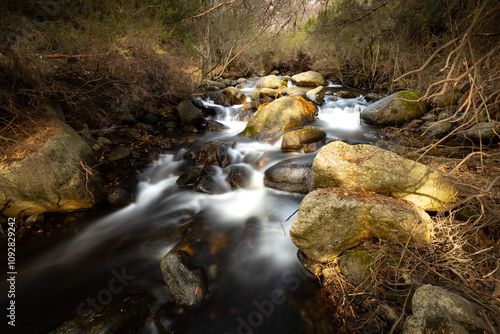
309,79
375,169
395,109
272,120
57,177
335,219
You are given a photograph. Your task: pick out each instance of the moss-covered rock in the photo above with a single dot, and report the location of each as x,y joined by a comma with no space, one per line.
375,169
273,119
394,109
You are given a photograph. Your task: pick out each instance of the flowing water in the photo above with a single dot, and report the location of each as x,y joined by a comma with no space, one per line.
240,238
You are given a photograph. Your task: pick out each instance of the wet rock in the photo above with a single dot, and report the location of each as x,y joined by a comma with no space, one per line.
263,93
296,140
316,95
124,193
191,129
218,154
270,81
436,310
237,177
375,169
234,95
292,175
391,110
346,95
131,314
222,100
54,178
35,220
119,152
372,97
485,131
185,281
209,184
189,114
104,141
309,79
241,85
213,125
189,178
313,147
241,80
144,127
430,117
333,220
272,120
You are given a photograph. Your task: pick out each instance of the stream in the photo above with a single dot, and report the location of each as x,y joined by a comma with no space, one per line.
256,283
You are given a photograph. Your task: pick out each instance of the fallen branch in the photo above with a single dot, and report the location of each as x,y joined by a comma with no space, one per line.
80,56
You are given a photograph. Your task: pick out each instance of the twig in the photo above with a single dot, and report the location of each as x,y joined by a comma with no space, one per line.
402,312
209,10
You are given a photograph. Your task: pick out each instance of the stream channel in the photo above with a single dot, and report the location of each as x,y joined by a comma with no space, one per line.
241,239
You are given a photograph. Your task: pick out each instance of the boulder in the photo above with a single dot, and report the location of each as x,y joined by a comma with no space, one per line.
238,177
59,176
189,114
437,129
394,110
292,175
309,79
221,100
346,95
436,310
189,178
272,120
316,95
270,81
332,220
296,140
186,282
209,184
234,95
375,169
263,93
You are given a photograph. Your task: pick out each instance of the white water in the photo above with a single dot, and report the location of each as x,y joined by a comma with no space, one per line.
254,219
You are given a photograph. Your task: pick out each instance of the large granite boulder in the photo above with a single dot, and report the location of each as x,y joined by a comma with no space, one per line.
272,120
394,109
309,79
436,310
332,220
375,169
270,81
60,176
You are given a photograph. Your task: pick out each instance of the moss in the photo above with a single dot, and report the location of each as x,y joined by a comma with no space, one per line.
250,129
362,257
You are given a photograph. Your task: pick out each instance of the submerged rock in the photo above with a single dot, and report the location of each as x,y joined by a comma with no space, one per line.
394,110
296,140
436,310
375,169
332,220
272,120
186,282
309,79
59,176
292,175
131,314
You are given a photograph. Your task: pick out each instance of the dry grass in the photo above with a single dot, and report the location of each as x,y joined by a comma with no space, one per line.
463,256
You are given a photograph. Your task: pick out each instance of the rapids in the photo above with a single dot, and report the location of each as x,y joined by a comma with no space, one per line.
239,237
